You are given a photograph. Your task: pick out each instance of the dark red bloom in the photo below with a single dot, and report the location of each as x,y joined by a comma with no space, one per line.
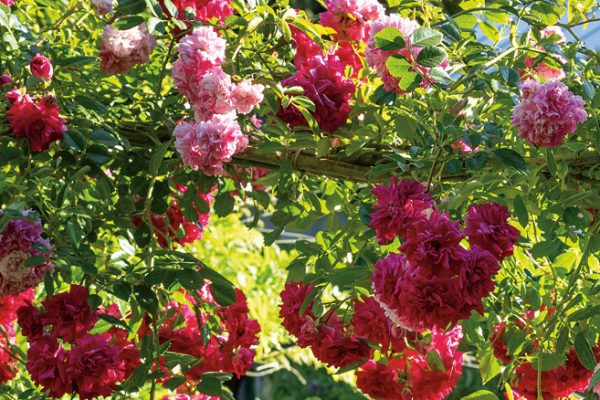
30,321
333,347
398,205
433,244
324,83
41,67
292,296
39,123
476,277
500,348
370,323
69,314
46,363
382,381
487,226
93,364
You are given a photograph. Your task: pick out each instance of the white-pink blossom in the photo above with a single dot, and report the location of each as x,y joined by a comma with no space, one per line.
207,145
247,95
121,50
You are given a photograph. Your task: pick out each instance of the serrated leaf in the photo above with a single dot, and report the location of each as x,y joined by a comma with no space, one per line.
397,65
511,158
431,57
389,39
425,37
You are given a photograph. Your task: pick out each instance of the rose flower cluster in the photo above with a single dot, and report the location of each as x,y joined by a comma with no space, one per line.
435,281
34,119
173,225
547,113
402,370
19,241
541,68
377,58
233,333
121,50
216,135
64,357
561,382
200,10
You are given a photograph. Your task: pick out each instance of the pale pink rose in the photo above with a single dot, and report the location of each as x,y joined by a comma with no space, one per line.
246,95
203,49
212,95
351,18
207,145
121,50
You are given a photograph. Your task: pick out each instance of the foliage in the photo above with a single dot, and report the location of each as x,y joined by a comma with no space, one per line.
98,192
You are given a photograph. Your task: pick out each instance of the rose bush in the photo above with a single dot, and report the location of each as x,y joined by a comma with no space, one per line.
443,157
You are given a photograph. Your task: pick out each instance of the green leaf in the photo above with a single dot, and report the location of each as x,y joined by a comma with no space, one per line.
481,395
190,279
435,361
511,158
389,39
397,65
584,352
584,313
410,81
521,211
113,321
431,57
489,366
549,361
174,382
157,157
547,248
490,30
224,204
34,261
426,37
91,104
146,297
128,22
440,75
595,380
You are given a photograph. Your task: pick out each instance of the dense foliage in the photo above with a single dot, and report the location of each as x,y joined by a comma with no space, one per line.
445,153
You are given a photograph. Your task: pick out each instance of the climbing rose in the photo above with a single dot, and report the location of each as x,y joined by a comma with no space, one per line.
408,375
9,306
487,226
202,49
30,321
93,364
41,67
247,95
413,300
20,240
377,58
557,383
69,314
476,277
201,10
306,48
207,145
434,243
500,348
292,297
337,349
351,19
46,363
121,50
382,381
431,383
324,83
103,7
547,113
7,2
370,323
397,206
40,123
212,95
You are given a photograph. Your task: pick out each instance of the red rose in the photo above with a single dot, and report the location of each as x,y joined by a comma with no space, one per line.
69,314
41,67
